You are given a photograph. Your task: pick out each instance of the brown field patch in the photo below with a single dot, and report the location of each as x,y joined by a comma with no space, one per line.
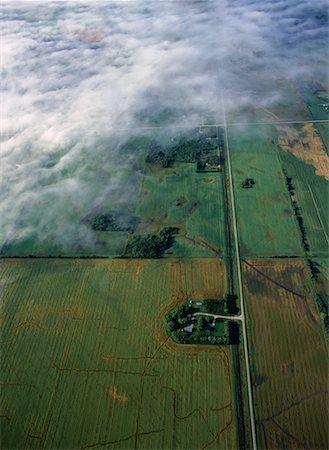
290,370
121,398
208,180
305,145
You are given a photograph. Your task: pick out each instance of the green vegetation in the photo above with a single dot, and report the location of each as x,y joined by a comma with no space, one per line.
104,222
318,105
187,149
254,155
187,326
320,278
248,183
86,362
151,245
113,222
298,214
88,343
311,193
192,202
225,306
209,164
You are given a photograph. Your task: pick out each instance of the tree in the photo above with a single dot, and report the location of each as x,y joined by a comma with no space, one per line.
182,320
200,323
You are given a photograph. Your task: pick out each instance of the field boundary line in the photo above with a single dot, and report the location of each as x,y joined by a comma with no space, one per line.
218,124
318,214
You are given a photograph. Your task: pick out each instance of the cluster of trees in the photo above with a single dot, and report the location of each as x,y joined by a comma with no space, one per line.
248,183
150,245
298,214
290,186
203,334
177,318
158,155
113,222
187,151
104,222
322,299
210,164
226,305
196,337
301,225
203,331
183,151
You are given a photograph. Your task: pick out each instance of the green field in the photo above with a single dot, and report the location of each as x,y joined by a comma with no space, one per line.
290,365
192,201
324,268
156,197
101,244
86,362
311,191
266,222
318,112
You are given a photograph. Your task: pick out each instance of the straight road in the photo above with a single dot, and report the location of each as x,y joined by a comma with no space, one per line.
214,125
240,289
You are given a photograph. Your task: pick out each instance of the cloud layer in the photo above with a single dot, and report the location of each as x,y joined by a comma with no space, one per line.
76,73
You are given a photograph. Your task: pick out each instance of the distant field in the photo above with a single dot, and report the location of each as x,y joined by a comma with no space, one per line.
290,107
323,129
306,162
324,268
266,222
290,368
315,103
104,244
192,201
86,362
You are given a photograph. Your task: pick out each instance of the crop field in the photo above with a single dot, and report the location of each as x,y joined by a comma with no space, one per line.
305,160
324,270
290,107
322,278
323,129
192,201
315,105
86,362
290,367
104,244
254,155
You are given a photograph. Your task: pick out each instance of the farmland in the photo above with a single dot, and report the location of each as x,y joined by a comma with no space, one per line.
315,104
188,194
86,362
305,161
174,194
191,201
289,355
290,107
254,156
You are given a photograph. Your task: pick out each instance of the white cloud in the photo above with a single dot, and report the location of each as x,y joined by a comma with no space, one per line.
75,71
